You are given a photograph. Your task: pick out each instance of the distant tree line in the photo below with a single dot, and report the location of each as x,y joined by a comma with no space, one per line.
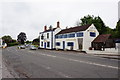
100,25
9,41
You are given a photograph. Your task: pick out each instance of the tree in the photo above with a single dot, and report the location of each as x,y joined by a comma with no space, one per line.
117,32
36,41
21,38
27,42
9,41
6,39
97,21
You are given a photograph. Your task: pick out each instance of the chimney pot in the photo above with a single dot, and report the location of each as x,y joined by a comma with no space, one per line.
58,24
45,28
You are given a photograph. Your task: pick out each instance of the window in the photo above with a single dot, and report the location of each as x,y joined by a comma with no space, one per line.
41,43
59,36
92,34
56,36
71,35
42,37
65,36
57,43
80,34
70,44
48,44
47,35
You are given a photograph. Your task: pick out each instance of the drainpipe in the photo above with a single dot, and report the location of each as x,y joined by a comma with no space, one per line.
52,40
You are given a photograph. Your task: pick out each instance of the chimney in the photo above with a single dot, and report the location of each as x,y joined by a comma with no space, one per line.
50,27
58,24
45,28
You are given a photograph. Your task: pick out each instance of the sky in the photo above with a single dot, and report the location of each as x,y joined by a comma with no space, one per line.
30,16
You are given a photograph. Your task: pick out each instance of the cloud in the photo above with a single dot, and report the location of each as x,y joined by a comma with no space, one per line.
31,16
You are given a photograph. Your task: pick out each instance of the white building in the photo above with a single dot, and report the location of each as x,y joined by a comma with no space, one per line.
47,37
76,38
1,42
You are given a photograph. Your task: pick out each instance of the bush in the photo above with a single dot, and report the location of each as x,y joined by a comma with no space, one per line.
12,44
36,45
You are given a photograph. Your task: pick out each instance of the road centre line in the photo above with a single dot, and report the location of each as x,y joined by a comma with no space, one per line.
87,62
92,63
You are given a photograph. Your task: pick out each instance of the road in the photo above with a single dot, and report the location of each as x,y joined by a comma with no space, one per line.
43,63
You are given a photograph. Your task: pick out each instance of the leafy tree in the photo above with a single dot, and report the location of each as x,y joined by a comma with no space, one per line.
118,30
7,39
97,21
21,38
36,41
27,42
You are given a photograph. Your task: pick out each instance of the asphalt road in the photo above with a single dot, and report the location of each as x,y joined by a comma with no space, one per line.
42,63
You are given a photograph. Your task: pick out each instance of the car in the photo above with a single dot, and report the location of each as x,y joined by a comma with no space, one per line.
27,45
32,47
21,47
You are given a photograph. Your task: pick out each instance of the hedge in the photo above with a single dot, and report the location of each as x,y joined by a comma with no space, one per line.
12,44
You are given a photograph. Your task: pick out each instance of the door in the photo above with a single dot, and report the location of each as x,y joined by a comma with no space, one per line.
80,43
45,45
63,45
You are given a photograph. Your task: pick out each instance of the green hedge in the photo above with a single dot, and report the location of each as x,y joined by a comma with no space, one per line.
12,44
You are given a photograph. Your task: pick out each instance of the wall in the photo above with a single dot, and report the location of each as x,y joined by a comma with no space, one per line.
74,40
87,38
46,39
54,33
51,38
0,42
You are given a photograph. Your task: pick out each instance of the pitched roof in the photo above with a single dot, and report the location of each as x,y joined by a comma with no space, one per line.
102,38
75,29
50,30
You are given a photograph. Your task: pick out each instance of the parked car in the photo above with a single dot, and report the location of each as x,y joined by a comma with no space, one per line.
32,47
39,48
21,47
27,45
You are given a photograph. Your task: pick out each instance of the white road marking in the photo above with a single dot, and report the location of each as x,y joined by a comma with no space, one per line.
48,55
94,64
30,51
87,62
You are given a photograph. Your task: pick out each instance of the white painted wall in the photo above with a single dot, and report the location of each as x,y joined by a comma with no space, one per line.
46,39
0,42
87,39
74,40
54,33
52,42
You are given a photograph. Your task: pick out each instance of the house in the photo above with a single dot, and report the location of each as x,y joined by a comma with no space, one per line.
76,38
1,42
117,43
47,37
103,41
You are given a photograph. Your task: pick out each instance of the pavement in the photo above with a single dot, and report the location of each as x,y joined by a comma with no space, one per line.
110,53
4,72
58,64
